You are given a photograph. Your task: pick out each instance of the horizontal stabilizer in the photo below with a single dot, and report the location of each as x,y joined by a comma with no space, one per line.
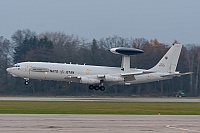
177,74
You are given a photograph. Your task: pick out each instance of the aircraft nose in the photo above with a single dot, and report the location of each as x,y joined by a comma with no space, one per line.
8,70
12,71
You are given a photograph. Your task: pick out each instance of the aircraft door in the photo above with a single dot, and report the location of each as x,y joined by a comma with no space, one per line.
27,68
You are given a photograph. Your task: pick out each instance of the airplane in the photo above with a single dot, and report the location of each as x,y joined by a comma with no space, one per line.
97,76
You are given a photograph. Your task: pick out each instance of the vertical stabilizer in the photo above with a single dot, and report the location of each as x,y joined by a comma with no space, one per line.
169,61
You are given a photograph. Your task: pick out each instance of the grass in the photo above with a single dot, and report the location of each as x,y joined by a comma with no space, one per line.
132,108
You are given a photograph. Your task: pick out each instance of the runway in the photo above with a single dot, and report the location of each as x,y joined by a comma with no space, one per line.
22,123
53,123
170,99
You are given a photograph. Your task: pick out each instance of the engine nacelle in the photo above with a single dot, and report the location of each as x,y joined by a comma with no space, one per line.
110,78
86,80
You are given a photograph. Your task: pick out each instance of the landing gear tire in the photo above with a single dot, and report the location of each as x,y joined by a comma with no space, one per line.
91,87
96,87
102,88
26,82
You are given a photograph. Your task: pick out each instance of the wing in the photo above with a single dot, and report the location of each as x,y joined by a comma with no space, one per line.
108,78
89,79
135,73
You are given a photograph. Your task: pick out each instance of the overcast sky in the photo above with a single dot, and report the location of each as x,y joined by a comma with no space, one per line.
165,20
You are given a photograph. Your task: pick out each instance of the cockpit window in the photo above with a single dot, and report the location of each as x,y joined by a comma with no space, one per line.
16,65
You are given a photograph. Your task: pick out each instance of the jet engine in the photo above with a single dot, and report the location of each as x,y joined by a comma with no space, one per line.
86,80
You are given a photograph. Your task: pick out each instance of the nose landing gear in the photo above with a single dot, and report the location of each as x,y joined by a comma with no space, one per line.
26,81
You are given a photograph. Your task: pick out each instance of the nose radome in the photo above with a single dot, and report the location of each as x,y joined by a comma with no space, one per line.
8,70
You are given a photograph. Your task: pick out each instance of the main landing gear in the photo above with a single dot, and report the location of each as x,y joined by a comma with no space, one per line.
97,87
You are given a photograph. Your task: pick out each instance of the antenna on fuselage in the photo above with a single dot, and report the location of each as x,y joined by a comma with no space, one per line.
126,55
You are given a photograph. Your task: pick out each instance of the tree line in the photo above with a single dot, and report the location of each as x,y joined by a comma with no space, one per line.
26,45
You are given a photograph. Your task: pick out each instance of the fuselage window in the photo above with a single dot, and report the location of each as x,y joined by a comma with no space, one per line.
16,65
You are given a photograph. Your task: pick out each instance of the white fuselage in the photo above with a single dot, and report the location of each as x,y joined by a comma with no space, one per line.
96,76
76,73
